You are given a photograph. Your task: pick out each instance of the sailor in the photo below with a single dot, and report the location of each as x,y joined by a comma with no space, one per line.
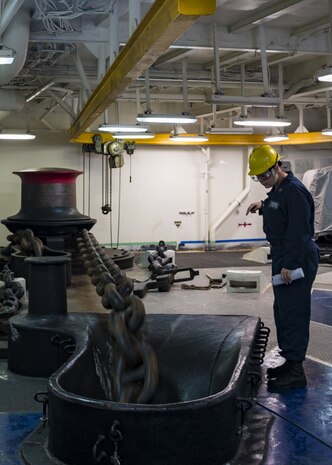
288,222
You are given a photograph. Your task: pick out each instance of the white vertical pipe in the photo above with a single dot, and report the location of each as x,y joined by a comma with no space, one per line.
201,125
328,111
216,60
214,115
264,59
243,83
185,86
236,203
101,62
114,33
330,31
79,66
300,107
206,175
281,89
138,101
328,115
102,70
134,15
147,92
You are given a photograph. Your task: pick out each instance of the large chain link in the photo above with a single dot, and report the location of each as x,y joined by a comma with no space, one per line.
135,366
10,294
27,243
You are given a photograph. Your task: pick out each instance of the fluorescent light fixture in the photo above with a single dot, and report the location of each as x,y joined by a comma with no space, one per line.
183,118
17,136
276,138
325,74
188,138
122,128
7,55
240,100
212,130
327,132
133,135
261,122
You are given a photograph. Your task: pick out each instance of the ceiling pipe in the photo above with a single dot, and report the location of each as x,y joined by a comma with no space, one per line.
240,100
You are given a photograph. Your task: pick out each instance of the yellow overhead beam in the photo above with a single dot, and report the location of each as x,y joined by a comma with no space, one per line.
165,21
218,139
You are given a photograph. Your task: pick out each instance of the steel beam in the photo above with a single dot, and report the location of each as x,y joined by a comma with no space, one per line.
165,21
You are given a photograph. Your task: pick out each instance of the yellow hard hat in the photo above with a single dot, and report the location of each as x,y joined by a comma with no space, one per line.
261,159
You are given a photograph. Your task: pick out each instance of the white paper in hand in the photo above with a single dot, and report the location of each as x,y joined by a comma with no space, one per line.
295,274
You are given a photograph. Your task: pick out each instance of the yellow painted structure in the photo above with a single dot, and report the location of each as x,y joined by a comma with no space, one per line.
216,139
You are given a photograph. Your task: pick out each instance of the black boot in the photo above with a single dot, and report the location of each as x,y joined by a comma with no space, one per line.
293,377
274,372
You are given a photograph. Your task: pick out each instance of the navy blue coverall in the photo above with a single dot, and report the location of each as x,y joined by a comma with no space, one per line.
288,222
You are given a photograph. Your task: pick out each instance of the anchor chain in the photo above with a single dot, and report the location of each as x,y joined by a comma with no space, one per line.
135,367
10,294
27,243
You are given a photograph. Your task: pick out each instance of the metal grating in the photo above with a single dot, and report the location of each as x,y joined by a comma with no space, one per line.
320,344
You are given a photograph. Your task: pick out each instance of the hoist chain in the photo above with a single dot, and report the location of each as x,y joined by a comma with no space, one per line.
135,367
106,188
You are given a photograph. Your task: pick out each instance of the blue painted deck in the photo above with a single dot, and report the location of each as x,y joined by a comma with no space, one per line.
300,420
14,427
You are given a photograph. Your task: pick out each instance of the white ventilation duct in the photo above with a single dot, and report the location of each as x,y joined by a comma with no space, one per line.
16,36
10,101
